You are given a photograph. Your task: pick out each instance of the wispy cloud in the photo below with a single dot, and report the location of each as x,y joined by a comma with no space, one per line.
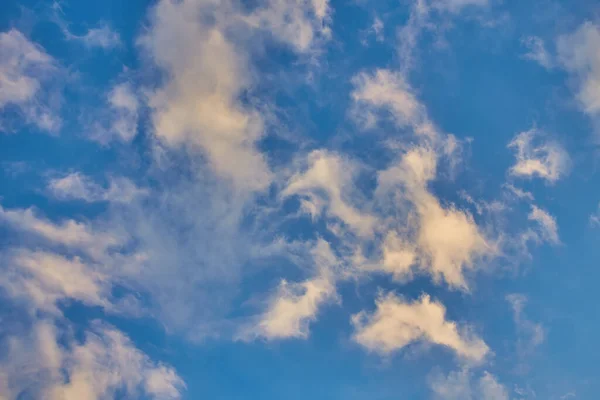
462,385
537,157
76,186
26,71
537,51
578,53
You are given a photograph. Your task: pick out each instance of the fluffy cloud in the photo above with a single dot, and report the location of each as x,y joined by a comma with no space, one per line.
103,364
578,53
545,160
447,239
76,186
397,323
25,70
199,104
295,305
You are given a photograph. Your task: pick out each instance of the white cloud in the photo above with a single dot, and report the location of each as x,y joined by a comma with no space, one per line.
595,217
328,183
546,224
519,193
199,105
296,305
44,279
298,23
103,364
546,160
399,256
447,239
25,69
490,389
397,323
578,53
388,90
378,29
70,233
76,186
537,51
103,37
531,334
124,104
460,385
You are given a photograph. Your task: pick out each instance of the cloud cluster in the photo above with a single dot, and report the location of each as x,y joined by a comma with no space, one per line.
214,210
53,365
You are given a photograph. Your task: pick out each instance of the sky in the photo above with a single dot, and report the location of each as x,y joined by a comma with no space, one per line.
299,199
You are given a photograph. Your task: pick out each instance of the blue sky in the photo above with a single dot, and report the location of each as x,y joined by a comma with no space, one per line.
299,199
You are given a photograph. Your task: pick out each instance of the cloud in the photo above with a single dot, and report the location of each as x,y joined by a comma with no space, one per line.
103,37
76,186
537,51
578,54
298,23
117,119
199,103
25,72
548,160
44,279
104,364
295,305
427,16
518,193
388,90
447,239
460,385
531,334
397,323
455,6
378,29
69,233
328,184
595,217
546,224
125,105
